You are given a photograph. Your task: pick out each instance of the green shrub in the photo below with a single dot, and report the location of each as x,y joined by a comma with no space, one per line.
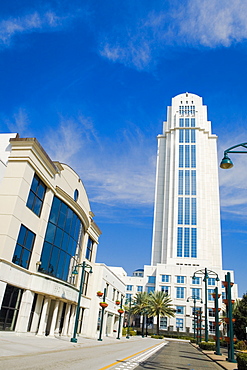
208,346
125,330
241,345
193,340
132,332
242,361
155,336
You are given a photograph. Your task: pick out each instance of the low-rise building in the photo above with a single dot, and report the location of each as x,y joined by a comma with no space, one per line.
46,232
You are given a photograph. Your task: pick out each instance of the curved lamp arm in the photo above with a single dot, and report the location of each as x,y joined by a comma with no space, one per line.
226,162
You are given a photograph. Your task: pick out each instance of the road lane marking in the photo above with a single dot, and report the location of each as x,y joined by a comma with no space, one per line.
150,350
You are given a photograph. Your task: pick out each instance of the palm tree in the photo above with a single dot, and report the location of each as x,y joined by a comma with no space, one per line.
160,305
140,306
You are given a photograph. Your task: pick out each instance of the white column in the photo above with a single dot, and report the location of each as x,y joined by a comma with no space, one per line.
72,320
54,319
36,314
24,311
60,310
66,320
42,323
2,291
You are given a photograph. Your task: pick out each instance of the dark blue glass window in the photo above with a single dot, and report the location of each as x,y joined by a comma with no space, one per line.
180,182
36,195
181,136
151,279
62,245
187,156
193,182
193,136
187,211
89,249
187,182
76,195
181,156
193,211
180,211
193,156
180,242
181,122
194,243
186,242
193,122
24,247
187,136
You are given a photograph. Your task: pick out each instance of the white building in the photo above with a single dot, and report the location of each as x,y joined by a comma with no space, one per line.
46,230
186,228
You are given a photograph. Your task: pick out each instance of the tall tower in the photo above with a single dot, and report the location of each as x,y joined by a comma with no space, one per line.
187,210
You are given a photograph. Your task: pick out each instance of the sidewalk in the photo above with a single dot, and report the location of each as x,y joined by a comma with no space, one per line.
220,360
12,344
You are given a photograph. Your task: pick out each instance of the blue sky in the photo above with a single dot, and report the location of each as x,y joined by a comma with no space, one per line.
92,80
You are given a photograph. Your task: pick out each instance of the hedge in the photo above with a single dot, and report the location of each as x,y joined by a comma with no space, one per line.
208,346
242,361
157,336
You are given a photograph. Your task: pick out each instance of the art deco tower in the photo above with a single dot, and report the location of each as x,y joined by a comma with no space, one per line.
187,211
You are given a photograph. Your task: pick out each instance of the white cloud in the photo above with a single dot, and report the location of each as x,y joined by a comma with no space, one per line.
213,23
233,182
114,173
19,123
140,39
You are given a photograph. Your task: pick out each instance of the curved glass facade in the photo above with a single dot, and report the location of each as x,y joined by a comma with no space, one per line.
62,246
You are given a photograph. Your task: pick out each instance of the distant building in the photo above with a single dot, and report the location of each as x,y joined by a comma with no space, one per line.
186,227
46,230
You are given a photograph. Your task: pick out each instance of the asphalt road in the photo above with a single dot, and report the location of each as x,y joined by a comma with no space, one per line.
94,357
178,356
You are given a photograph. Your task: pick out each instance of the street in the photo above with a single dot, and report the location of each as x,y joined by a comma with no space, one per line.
136,353
92,357
178,356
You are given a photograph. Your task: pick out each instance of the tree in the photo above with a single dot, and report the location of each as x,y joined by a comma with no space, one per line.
159,305
240,316
141,301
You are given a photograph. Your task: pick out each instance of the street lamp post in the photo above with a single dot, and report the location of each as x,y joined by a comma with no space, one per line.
102,317
128,330
226,162
216,296
206,273
194,301
75,272
120,316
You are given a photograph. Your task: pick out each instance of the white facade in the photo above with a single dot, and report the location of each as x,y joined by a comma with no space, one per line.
46,230
186,228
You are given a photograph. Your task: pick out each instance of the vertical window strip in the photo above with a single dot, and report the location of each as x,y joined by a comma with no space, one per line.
193,156
181,122
187,211
181,156
180,211
181,136
187,121
180,242
193,182
194,242
193,211
193,120
187,156
187,136
187,182
193,135
186,242
180,182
